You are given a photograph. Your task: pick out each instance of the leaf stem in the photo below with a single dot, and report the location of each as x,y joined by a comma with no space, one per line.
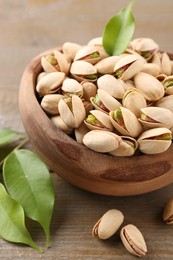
16,148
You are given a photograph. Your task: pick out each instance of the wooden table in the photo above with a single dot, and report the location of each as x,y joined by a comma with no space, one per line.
28,27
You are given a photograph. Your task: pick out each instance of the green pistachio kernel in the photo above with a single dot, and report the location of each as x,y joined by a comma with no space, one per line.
91,119
166,136
51,59
91,77
119,117
68,101
95,55
168,84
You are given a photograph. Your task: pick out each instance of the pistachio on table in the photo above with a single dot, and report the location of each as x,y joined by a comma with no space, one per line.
108,224
129,95
168,212
133,240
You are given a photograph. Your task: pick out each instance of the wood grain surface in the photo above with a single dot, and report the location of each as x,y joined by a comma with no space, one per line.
28,27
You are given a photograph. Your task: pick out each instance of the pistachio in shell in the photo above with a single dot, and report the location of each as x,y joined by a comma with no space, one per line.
134,100
101,141
133,240
70,49
49,103
88,53
125,122
83,70
104,102
149,86
156,117
127,147
111,85
128,66
155,140
168,85
108,224
72,111
98,120
166,102
71,87
50,83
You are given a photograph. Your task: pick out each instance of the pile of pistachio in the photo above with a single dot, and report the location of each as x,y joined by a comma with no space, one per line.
120,105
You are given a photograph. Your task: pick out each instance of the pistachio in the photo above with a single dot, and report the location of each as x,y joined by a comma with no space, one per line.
72,111
58,122
125,122
111,85
50,103
155,140
89,89
106,66
168,85
127,147
70,49
83,70
101,141
133,240
134,101
146,47
166,102
128,66
108,224
50,83
98,120
72,87
168,212
156,117
149,86
88,53
104,102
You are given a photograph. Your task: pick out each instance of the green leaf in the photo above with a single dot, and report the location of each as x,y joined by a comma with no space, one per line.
28,181
6,135
12,224
119,31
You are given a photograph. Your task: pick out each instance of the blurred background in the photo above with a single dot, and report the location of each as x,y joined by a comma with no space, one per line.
28,27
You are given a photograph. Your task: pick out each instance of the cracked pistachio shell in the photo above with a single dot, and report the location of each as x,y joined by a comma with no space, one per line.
106,65
152,69
156,117
134,101
146,47
72,87
58,122
111,85
168,212
166,102
50,83
108,224
88,53
72,111
128,66
70,49
98,120
133,240
125,122
149,86
50,103
89,90
104,101
127,147
101,141
83,70
155,140
168,85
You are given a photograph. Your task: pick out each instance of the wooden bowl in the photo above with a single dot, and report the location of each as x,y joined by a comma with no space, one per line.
80,166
